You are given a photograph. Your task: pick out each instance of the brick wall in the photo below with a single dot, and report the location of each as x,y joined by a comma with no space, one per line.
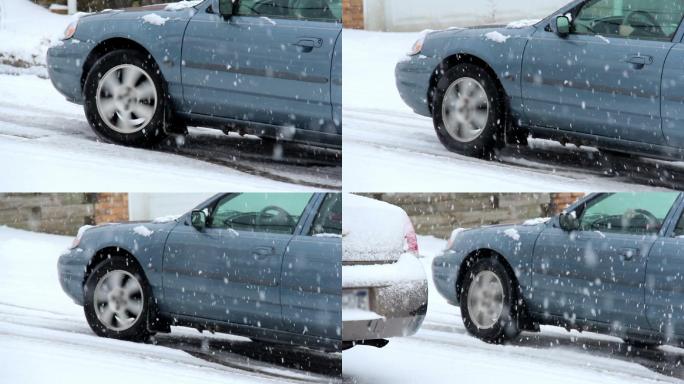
560,201
111,207
58,213
353,14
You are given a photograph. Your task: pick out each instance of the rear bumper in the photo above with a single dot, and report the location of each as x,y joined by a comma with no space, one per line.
71,268
413,82
65,67
398,299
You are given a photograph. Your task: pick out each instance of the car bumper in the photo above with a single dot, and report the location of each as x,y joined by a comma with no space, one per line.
413,82
445,271
65,67
397,304
71,271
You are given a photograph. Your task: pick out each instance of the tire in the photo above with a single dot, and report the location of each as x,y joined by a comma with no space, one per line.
504,324
98,281
106,78
638,344
479,143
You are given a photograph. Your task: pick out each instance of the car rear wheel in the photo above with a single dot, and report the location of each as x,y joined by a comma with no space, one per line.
125,99
488,302
468,112
117,300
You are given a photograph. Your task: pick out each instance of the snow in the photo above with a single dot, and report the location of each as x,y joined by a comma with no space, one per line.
442,352
512,233
268,20
21,42
537,221
155,19
373,230
605,40
42,327
355,314
58,152
143,231
522,23
184,4
387,147
496,37
406,269
166,219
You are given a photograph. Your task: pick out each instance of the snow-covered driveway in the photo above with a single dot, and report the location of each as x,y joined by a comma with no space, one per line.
387,147
44,336
442,352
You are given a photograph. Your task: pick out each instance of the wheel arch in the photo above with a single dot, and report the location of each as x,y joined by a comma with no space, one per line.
111,252
110,45
459,58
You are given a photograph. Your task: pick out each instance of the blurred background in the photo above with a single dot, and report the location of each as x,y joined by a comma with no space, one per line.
64,213
437,214
61,6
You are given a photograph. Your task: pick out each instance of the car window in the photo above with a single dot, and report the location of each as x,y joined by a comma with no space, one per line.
325,10
633,19
629,213
259,212
329,217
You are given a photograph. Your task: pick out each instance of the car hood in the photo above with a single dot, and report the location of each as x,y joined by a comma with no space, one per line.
511,30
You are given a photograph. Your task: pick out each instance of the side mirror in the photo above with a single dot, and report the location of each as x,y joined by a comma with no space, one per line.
569,222
225,8
561,25
198,220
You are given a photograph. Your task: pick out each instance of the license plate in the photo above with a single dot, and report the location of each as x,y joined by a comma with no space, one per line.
355,299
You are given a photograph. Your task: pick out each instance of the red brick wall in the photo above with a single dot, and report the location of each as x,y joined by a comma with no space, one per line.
560,201
111,207
353,14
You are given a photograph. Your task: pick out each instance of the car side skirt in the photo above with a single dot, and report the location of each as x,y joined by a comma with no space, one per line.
303,136
269,335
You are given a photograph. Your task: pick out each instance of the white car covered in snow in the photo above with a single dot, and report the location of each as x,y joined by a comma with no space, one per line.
384,285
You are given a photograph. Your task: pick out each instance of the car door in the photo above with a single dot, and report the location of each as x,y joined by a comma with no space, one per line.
665,279
270,62
312,273
604,78
595,269
230,270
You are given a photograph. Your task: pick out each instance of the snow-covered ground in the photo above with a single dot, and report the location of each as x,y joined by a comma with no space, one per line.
47,144
44,337
442,352
387,147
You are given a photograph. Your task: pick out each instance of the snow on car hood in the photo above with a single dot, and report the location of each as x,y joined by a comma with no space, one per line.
373,231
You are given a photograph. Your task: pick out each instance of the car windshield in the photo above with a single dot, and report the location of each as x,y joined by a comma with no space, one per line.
628,213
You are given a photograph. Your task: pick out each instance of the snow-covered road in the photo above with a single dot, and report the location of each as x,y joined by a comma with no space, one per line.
387,147
44,336
442,352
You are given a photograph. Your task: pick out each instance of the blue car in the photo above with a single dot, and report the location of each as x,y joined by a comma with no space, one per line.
264,266
270,68
611,263
605,73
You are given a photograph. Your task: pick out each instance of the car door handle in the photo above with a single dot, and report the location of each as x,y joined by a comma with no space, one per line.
307,45
639,61
628,254
261,253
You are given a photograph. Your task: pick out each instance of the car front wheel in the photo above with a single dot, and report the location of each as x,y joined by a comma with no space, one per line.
125,99
488,302
117,299
468,112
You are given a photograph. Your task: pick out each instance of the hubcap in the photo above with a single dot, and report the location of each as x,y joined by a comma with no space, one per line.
465,109
126,98
118,300
485,300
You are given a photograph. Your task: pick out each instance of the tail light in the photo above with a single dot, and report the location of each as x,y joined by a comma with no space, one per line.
410,238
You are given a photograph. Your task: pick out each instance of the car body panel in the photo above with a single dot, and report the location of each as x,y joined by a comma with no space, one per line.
221,279
628,285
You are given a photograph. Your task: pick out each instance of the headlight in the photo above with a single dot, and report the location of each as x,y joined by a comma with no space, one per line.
418,45
70,31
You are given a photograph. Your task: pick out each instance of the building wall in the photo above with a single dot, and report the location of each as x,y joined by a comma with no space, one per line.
353,14
440,214
408,15
148,206
111,208
58,213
